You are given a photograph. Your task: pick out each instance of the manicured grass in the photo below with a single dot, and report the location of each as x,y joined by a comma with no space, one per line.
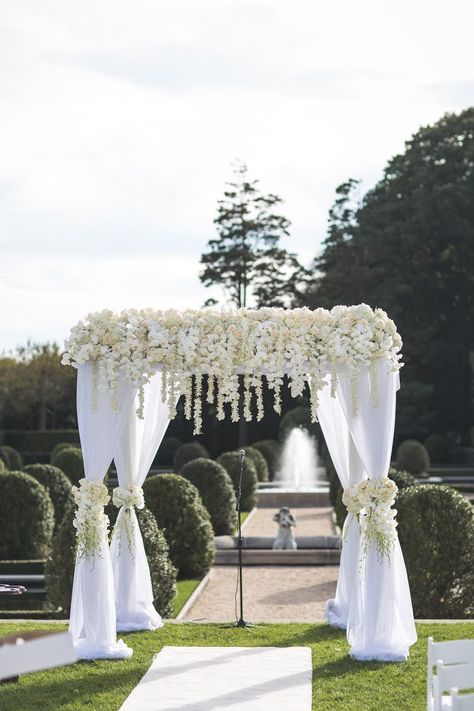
339,683
184,589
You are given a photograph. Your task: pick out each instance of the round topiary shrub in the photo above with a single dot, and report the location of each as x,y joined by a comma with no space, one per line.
27,517
439,448
57,485
59,448
217,493
231,463
187,452
271,450
436,529
179,511
59,570
70,462
413,457
258,460
2,466
402,479
299,416
167,450
11,458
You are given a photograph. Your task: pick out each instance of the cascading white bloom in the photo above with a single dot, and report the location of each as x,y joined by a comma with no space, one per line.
371,501
267,343
90,521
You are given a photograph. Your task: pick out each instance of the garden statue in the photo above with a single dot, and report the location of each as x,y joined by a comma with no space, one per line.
285,539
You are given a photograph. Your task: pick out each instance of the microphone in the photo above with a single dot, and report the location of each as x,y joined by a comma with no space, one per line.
242,455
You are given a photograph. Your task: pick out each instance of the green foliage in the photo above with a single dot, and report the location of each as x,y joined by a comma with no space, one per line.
10,457
436,529
406,246
70,462
2,466
413,457
271,450
59,569
167,450
299,416
162,570
402,478
187,452
34,441
247,255
59,448
26,515
439,448
217,493
179,511
57,485
259,462
231,463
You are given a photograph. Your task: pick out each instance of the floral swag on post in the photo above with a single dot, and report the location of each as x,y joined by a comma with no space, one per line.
232,346
90,521
127,497
371,502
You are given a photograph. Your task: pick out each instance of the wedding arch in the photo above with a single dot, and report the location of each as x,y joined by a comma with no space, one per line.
132,369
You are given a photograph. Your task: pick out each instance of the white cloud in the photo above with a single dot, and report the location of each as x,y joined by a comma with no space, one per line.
119,120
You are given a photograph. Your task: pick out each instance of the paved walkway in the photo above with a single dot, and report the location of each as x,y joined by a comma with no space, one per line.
272,593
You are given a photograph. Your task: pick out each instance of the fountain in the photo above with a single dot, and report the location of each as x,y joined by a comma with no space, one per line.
299,462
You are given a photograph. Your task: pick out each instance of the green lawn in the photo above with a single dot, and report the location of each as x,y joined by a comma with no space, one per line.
184,589
339,683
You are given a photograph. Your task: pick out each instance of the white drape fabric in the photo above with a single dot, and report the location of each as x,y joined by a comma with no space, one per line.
350,471
92,620
133,454
380,622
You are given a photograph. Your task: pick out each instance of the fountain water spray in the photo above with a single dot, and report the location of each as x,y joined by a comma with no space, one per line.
299,462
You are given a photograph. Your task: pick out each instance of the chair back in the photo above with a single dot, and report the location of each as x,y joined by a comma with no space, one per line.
460,676
456,651
461,703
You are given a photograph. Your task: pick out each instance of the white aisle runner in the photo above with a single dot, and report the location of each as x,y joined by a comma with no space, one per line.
225,679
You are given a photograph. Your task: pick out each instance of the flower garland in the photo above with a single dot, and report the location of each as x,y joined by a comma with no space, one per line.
371,502
127,497
233,348
90,521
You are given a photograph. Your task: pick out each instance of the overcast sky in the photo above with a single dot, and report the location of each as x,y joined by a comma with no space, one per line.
119,120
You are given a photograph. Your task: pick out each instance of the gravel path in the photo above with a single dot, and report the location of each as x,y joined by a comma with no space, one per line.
271,594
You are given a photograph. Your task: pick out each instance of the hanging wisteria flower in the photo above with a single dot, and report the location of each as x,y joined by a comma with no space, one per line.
127,497
255,344
371,501
90,521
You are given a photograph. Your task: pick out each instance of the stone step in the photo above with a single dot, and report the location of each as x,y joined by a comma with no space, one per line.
323,556
266,542
276,498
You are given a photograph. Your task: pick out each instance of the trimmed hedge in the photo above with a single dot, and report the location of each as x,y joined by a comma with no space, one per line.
402,479
59,448
413,457
231,463
271,450
167,450
70,462
179,511
2,466
57,485
59,570
436,530
259,462
11,458
27,517
217,493
38,440
187,452
440,449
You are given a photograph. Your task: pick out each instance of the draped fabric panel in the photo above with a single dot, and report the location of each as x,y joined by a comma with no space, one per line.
92,619
380,622
133,454
350,471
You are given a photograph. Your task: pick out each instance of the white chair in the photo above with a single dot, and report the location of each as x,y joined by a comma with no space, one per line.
452,652
461,703
460,676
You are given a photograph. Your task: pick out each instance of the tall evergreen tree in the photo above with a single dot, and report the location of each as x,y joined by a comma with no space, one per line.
409,248
246,258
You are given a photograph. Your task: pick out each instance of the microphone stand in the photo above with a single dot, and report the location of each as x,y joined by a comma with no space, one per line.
241,622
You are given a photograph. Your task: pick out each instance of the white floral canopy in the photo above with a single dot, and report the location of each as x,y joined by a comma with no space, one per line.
132,369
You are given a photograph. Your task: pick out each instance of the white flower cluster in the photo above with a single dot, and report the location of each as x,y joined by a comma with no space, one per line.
129,495
265,343
90,521
371,501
